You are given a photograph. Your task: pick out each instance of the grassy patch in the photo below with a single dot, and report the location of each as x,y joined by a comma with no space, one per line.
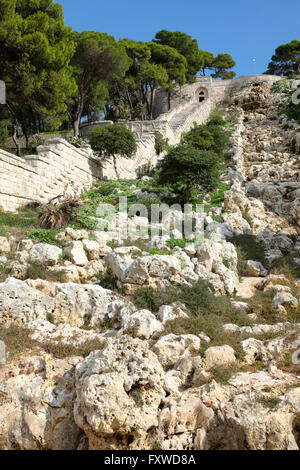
157,251
47,236
4,272
248,248
222,374
180,242
287,267
269,402
17,341
19,224
37,271
107,280
207,313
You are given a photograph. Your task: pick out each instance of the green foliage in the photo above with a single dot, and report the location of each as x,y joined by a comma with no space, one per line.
250,248
286,60
287,106
223,374
37,271
50,317
157,251
180,242
97,58
221,64
269,402
19,223
35,51
108,280
186,168
211,136
172,62
161,144
4,133
113,140
46,236
186,46
78,142
33,144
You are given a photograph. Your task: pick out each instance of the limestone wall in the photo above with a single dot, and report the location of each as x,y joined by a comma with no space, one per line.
59,167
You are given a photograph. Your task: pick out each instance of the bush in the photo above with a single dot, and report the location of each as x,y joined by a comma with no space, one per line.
186,168
161,144
33,144
112,140
78,142
211,136
250,248
46,236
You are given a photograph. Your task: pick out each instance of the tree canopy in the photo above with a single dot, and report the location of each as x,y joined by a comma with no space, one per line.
56,78
114,141
35,50
187,47
185,168
97,58
286,60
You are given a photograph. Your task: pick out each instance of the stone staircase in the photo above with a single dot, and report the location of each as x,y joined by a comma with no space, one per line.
180,118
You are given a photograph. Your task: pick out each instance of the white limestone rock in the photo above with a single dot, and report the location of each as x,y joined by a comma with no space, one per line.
92,249
219,356
142,323
283,300
75,252
170,348
4,245
254,269
47,255
119,390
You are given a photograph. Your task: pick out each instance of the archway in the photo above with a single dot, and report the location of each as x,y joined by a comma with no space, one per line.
201,94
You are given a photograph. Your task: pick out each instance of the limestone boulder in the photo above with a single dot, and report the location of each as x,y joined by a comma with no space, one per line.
219,356
76,253
4,245
36,409
143,324
47,255
119,390
171,347
254,269
284,300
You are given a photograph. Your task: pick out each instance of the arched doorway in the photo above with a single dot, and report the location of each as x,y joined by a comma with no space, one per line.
201,94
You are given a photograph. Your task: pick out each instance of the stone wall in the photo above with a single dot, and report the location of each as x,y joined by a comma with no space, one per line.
58,168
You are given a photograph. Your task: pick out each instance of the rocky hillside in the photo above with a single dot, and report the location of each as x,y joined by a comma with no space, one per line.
164,343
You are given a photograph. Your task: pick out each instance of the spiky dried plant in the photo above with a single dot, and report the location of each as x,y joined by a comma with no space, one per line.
57,213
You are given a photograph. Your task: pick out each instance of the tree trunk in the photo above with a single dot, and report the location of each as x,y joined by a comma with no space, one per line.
77,115
76,123
15,139
115,167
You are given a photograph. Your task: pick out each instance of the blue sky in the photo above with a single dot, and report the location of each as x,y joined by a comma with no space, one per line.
243,28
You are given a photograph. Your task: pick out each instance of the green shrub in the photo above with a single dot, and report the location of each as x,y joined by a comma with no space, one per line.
78,142
113,140
34,142
249,247
108,280
161,144
47,236
211,136
186,168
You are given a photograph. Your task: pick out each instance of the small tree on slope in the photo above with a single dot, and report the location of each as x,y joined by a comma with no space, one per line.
113,140
186,168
